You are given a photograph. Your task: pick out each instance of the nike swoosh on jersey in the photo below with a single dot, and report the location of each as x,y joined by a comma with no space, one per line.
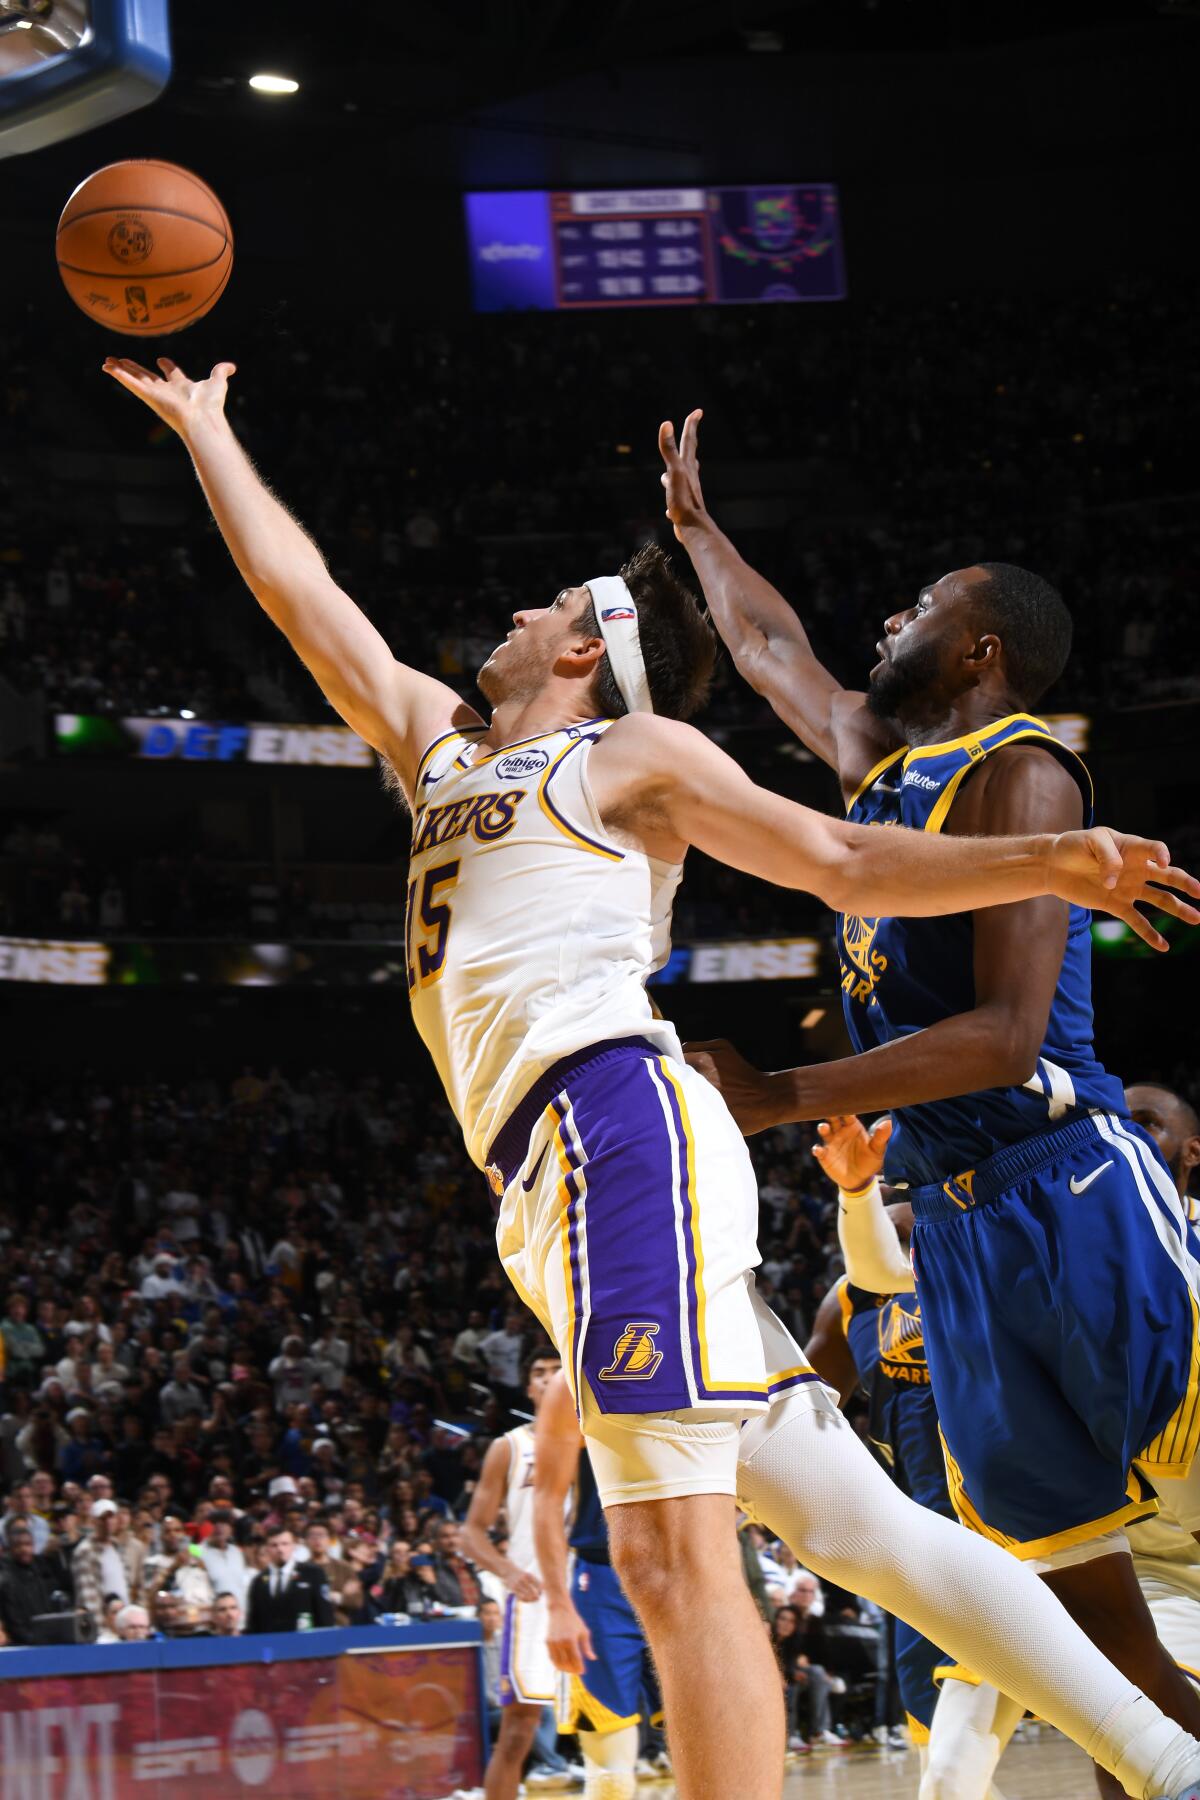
526,1185
1077,1187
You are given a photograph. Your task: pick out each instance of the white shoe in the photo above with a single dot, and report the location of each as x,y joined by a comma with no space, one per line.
828,1740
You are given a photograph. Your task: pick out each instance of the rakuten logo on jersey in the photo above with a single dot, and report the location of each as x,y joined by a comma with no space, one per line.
912,779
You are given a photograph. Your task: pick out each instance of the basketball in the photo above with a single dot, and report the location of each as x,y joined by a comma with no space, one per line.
144,248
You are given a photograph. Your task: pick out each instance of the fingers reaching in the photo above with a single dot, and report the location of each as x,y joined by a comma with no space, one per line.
689,446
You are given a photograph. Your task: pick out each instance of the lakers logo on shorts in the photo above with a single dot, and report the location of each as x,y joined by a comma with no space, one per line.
634,1357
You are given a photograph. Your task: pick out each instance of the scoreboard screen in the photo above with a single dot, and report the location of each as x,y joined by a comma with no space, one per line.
668,246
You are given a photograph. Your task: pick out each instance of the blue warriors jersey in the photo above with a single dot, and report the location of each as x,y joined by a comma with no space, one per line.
885,1335
589,1530
899,976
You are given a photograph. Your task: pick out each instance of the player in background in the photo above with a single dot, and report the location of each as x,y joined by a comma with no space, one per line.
595,1641
526,1672
875,1340
547,845
1063,1337
972,1722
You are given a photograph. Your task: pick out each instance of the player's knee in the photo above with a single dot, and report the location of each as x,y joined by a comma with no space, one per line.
645,1571
518,1728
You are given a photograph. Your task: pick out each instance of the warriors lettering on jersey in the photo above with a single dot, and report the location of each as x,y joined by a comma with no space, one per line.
902,1340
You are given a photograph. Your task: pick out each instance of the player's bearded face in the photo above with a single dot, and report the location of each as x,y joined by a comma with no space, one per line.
906,673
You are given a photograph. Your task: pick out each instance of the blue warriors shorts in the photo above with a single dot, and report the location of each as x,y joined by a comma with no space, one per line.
909,1421
628,1223
620,1686
1059,1293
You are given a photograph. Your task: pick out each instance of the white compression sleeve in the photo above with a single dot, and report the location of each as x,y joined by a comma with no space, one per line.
609,1761
807,1477
875,1257
971,1726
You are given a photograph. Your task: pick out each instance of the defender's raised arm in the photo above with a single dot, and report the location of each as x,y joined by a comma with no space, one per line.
762,632
397,710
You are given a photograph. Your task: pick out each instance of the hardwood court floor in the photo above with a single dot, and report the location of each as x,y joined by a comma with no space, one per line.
1041,1766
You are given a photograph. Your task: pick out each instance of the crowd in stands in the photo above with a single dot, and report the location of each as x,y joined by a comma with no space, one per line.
261,1323
451,473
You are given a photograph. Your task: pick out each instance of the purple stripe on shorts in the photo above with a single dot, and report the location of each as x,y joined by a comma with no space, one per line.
791,1381
507,1691
689,1246
630,1352
572,1186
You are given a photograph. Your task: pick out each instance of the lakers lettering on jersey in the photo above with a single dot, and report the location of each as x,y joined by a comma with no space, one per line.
899,976
530,933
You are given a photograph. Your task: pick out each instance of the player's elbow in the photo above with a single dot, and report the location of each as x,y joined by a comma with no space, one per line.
1010,1046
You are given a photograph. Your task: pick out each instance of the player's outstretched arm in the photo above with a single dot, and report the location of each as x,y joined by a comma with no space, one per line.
762,632
677,788
398,710
557,1446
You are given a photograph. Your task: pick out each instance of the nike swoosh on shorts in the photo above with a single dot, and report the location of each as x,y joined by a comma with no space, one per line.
1077,1187
526,1185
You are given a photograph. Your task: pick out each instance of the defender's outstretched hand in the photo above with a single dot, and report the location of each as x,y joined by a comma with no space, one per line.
685,501
748,1093
177,401
849,1153
1112,873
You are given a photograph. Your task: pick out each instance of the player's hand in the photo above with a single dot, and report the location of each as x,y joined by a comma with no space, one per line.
179,403
1112,873
525,1585
849,1153
749,1094
685,501
567,1638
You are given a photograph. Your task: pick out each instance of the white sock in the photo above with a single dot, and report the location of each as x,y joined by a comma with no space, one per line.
971,1726
609,1760
805,1475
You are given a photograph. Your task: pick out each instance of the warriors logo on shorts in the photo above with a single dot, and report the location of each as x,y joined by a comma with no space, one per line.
634,1357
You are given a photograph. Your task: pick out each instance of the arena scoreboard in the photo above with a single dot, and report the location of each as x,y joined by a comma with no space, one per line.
660,246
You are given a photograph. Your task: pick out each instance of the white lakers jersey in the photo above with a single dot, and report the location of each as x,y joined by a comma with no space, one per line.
529,933
518,1498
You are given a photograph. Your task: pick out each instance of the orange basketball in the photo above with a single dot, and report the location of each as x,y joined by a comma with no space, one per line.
144,247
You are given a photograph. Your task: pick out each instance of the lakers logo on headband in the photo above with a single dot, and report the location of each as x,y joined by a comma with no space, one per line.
634,1357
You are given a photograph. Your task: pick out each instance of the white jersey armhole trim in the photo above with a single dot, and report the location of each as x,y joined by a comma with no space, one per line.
597,823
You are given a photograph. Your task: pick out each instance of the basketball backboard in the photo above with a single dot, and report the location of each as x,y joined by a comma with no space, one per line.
67,66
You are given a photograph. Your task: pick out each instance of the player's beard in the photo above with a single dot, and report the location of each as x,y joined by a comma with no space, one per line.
901,680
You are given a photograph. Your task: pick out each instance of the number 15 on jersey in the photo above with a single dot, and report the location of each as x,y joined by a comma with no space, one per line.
427,924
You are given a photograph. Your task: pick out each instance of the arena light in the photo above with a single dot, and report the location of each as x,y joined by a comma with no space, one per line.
274,84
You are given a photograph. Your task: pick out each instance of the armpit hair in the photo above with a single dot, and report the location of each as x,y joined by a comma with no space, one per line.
392,784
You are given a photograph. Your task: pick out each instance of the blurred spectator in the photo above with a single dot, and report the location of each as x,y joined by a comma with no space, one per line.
223,1560
226,1616
287,1595
133,1624
27,1587
101,1567
177,1570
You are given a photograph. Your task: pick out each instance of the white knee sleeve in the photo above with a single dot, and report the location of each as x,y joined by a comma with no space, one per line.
609,1760
971,1726
807,1477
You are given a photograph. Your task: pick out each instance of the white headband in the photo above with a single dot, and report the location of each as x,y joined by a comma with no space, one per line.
617,618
